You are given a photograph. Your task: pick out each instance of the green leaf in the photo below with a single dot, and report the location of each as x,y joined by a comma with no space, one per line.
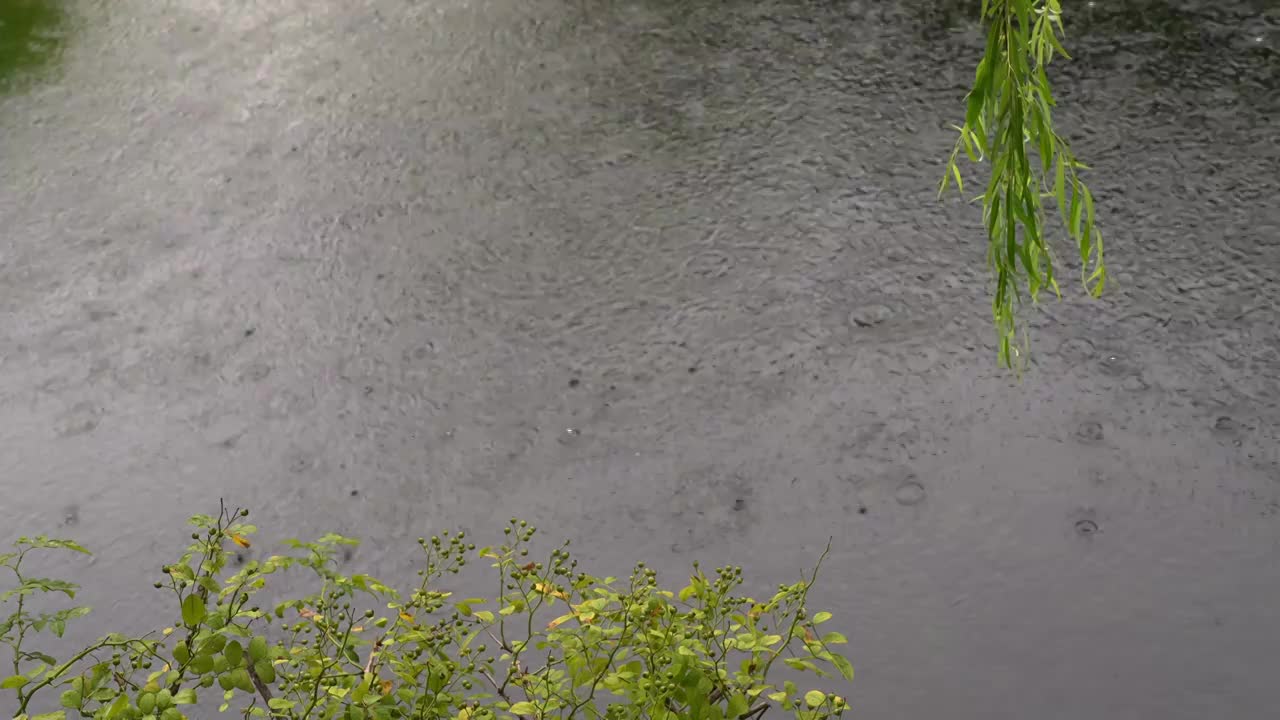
738,706
257,648
186,696
834,638
71,699
800,664
281,704
59,715
814,698
524,708
842,664
821,617
117,707
193,610
13,681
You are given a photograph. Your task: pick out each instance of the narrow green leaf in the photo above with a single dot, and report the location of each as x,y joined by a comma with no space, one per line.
1059,188
1088,211
1044,134
1076,206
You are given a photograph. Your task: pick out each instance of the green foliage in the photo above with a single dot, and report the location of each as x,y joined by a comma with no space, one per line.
554,643
1008,121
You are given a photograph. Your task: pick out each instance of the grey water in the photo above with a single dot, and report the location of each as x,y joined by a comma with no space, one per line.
670,279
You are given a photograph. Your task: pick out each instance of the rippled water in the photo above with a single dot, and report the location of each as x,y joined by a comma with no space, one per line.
670,278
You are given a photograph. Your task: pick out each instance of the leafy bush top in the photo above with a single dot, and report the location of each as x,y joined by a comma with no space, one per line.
555,643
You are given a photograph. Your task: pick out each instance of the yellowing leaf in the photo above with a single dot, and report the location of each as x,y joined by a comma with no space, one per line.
167,631
548,589
559,621
239,540
358,628
386,686
406,617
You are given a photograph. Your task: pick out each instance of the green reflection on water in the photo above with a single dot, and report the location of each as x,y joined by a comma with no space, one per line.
32,34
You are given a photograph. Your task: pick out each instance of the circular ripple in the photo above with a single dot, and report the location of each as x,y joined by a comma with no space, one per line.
1090,432
870,316
1086,527
909,493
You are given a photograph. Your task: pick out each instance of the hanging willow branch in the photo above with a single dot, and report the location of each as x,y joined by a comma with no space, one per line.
1008,121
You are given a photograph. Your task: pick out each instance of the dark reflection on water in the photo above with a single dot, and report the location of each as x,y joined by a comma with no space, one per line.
32,35
1194,43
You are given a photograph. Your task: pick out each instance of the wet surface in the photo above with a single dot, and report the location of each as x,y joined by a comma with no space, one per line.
671,280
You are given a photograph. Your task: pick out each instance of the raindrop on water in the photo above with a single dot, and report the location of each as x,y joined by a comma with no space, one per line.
1086,527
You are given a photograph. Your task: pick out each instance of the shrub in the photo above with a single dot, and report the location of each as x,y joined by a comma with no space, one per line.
556,642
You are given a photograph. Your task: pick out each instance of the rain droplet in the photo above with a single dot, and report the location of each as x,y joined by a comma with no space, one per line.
572,431
1113,365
